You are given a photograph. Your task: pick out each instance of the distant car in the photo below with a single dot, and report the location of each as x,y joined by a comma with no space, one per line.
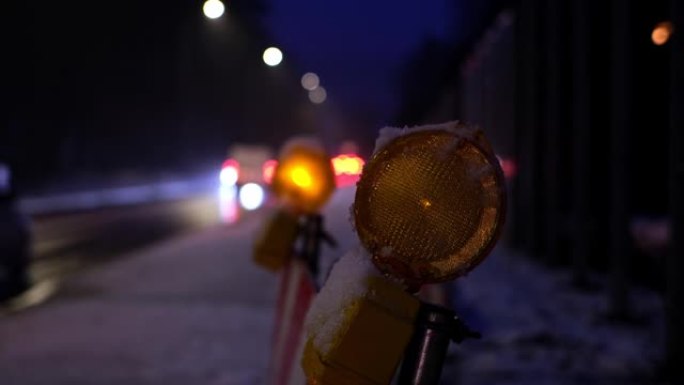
15,240
246,172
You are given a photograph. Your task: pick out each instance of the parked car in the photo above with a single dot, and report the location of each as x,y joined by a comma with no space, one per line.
15,239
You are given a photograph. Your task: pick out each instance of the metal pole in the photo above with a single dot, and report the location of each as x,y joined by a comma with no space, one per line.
312,233
621,127
551,152
675,259
581,140
435,328
311,248
527,130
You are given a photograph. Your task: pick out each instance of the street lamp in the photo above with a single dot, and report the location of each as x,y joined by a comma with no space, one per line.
273,56
661,33
213,9
318,95
310,81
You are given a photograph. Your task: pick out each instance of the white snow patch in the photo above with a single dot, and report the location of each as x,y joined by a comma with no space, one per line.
388,134
347,282
538,329
476,174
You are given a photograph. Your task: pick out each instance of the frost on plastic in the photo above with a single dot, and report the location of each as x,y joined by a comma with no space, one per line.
347,282
387,134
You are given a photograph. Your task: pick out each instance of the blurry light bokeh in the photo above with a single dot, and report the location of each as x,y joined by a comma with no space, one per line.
213,9
228,206
661,33
348,168
318,95
4,178
268,169
230,173
301,177
304,178
273,56
508,166
310,81
349,164
251,196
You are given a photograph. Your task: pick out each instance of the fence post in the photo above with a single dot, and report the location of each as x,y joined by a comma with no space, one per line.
675,261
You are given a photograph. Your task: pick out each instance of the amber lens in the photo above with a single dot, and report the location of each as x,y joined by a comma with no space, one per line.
304,179
429,206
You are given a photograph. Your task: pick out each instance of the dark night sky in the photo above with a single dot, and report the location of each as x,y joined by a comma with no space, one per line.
89,85
357,47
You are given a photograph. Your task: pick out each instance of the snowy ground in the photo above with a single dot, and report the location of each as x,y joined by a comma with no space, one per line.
537,329
195,310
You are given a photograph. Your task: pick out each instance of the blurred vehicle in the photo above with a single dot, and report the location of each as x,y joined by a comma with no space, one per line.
249,169
15,240
245,174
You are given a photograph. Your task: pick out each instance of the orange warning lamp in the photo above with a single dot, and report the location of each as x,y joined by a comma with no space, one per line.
304,178
430,205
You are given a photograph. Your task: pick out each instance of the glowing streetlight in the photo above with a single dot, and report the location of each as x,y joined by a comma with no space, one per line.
310,81
318,95
213,9
273,56
661,33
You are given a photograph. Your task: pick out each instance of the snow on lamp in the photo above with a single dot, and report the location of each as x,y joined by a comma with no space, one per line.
428,208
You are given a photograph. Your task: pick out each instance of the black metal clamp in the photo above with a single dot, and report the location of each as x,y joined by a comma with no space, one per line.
435,328
312,233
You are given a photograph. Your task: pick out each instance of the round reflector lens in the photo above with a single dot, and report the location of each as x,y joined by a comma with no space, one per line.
429,205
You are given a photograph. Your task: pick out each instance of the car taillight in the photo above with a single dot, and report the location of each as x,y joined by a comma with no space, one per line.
348,168
268,169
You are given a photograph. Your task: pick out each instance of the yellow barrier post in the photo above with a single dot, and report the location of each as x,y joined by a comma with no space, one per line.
428,208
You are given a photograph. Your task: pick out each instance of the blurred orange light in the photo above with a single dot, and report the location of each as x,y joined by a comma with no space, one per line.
304,178
301,177
268,169
661,33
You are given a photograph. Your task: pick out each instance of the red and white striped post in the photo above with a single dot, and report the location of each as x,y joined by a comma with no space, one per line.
297,290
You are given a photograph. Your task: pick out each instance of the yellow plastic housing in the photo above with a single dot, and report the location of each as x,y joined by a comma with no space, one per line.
273,246
370,342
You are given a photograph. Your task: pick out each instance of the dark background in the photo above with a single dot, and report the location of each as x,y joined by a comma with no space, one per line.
575,93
